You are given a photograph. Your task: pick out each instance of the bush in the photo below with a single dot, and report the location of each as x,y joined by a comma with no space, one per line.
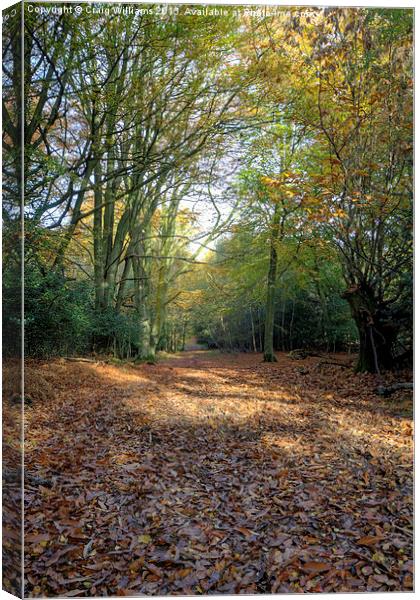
58,314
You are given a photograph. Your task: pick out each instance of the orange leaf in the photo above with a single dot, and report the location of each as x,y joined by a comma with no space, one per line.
316,567
369,540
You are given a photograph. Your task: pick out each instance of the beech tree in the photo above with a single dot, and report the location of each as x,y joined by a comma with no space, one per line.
346,75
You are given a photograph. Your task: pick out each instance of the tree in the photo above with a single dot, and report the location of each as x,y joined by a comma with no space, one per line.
348,80
273,193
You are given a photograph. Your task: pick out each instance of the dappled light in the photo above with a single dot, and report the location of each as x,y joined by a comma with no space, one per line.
158,477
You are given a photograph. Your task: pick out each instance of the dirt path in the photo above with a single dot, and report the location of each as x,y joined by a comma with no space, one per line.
215,474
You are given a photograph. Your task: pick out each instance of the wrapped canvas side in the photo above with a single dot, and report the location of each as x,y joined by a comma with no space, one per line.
12,284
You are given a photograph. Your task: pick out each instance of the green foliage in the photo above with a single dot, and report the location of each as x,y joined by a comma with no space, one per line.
12,310
61,320
302,320
115,332
58,314
309,309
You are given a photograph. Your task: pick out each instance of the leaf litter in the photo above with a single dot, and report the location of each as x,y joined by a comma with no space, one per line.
216,474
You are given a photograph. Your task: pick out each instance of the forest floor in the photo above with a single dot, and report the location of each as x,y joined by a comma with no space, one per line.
210,473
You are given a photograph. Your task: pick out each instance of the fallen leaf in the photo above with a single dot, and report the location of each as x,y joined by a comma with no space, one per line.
144,539
316,567
369,540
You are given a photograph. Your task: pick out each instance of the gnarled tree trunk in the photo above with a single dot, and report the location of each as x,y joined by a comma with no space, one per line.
377,332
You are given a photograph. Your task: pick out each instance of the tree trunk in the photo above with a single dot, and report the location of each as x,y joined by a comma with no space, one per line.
260,330
377,333
184,334
254,344
269,355
97,239
291,326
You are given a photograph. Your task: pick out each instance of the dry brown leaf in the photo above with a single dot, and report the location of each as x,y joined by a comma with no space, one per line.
369,540
316,567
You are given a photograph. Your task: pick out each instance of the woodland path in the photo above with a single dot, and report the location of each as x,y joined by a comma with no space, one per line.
210,473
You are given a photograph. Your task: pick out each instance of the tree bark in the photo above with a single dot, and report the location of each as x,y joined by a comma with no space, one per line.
377,332
254,344
269,355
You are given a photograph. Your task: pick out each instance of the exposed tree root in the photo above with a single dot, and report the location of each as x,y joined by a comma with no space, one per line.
386,391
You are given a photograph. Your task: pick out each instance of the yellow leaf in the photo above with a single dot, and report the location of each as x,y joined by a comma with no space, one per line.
144,539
